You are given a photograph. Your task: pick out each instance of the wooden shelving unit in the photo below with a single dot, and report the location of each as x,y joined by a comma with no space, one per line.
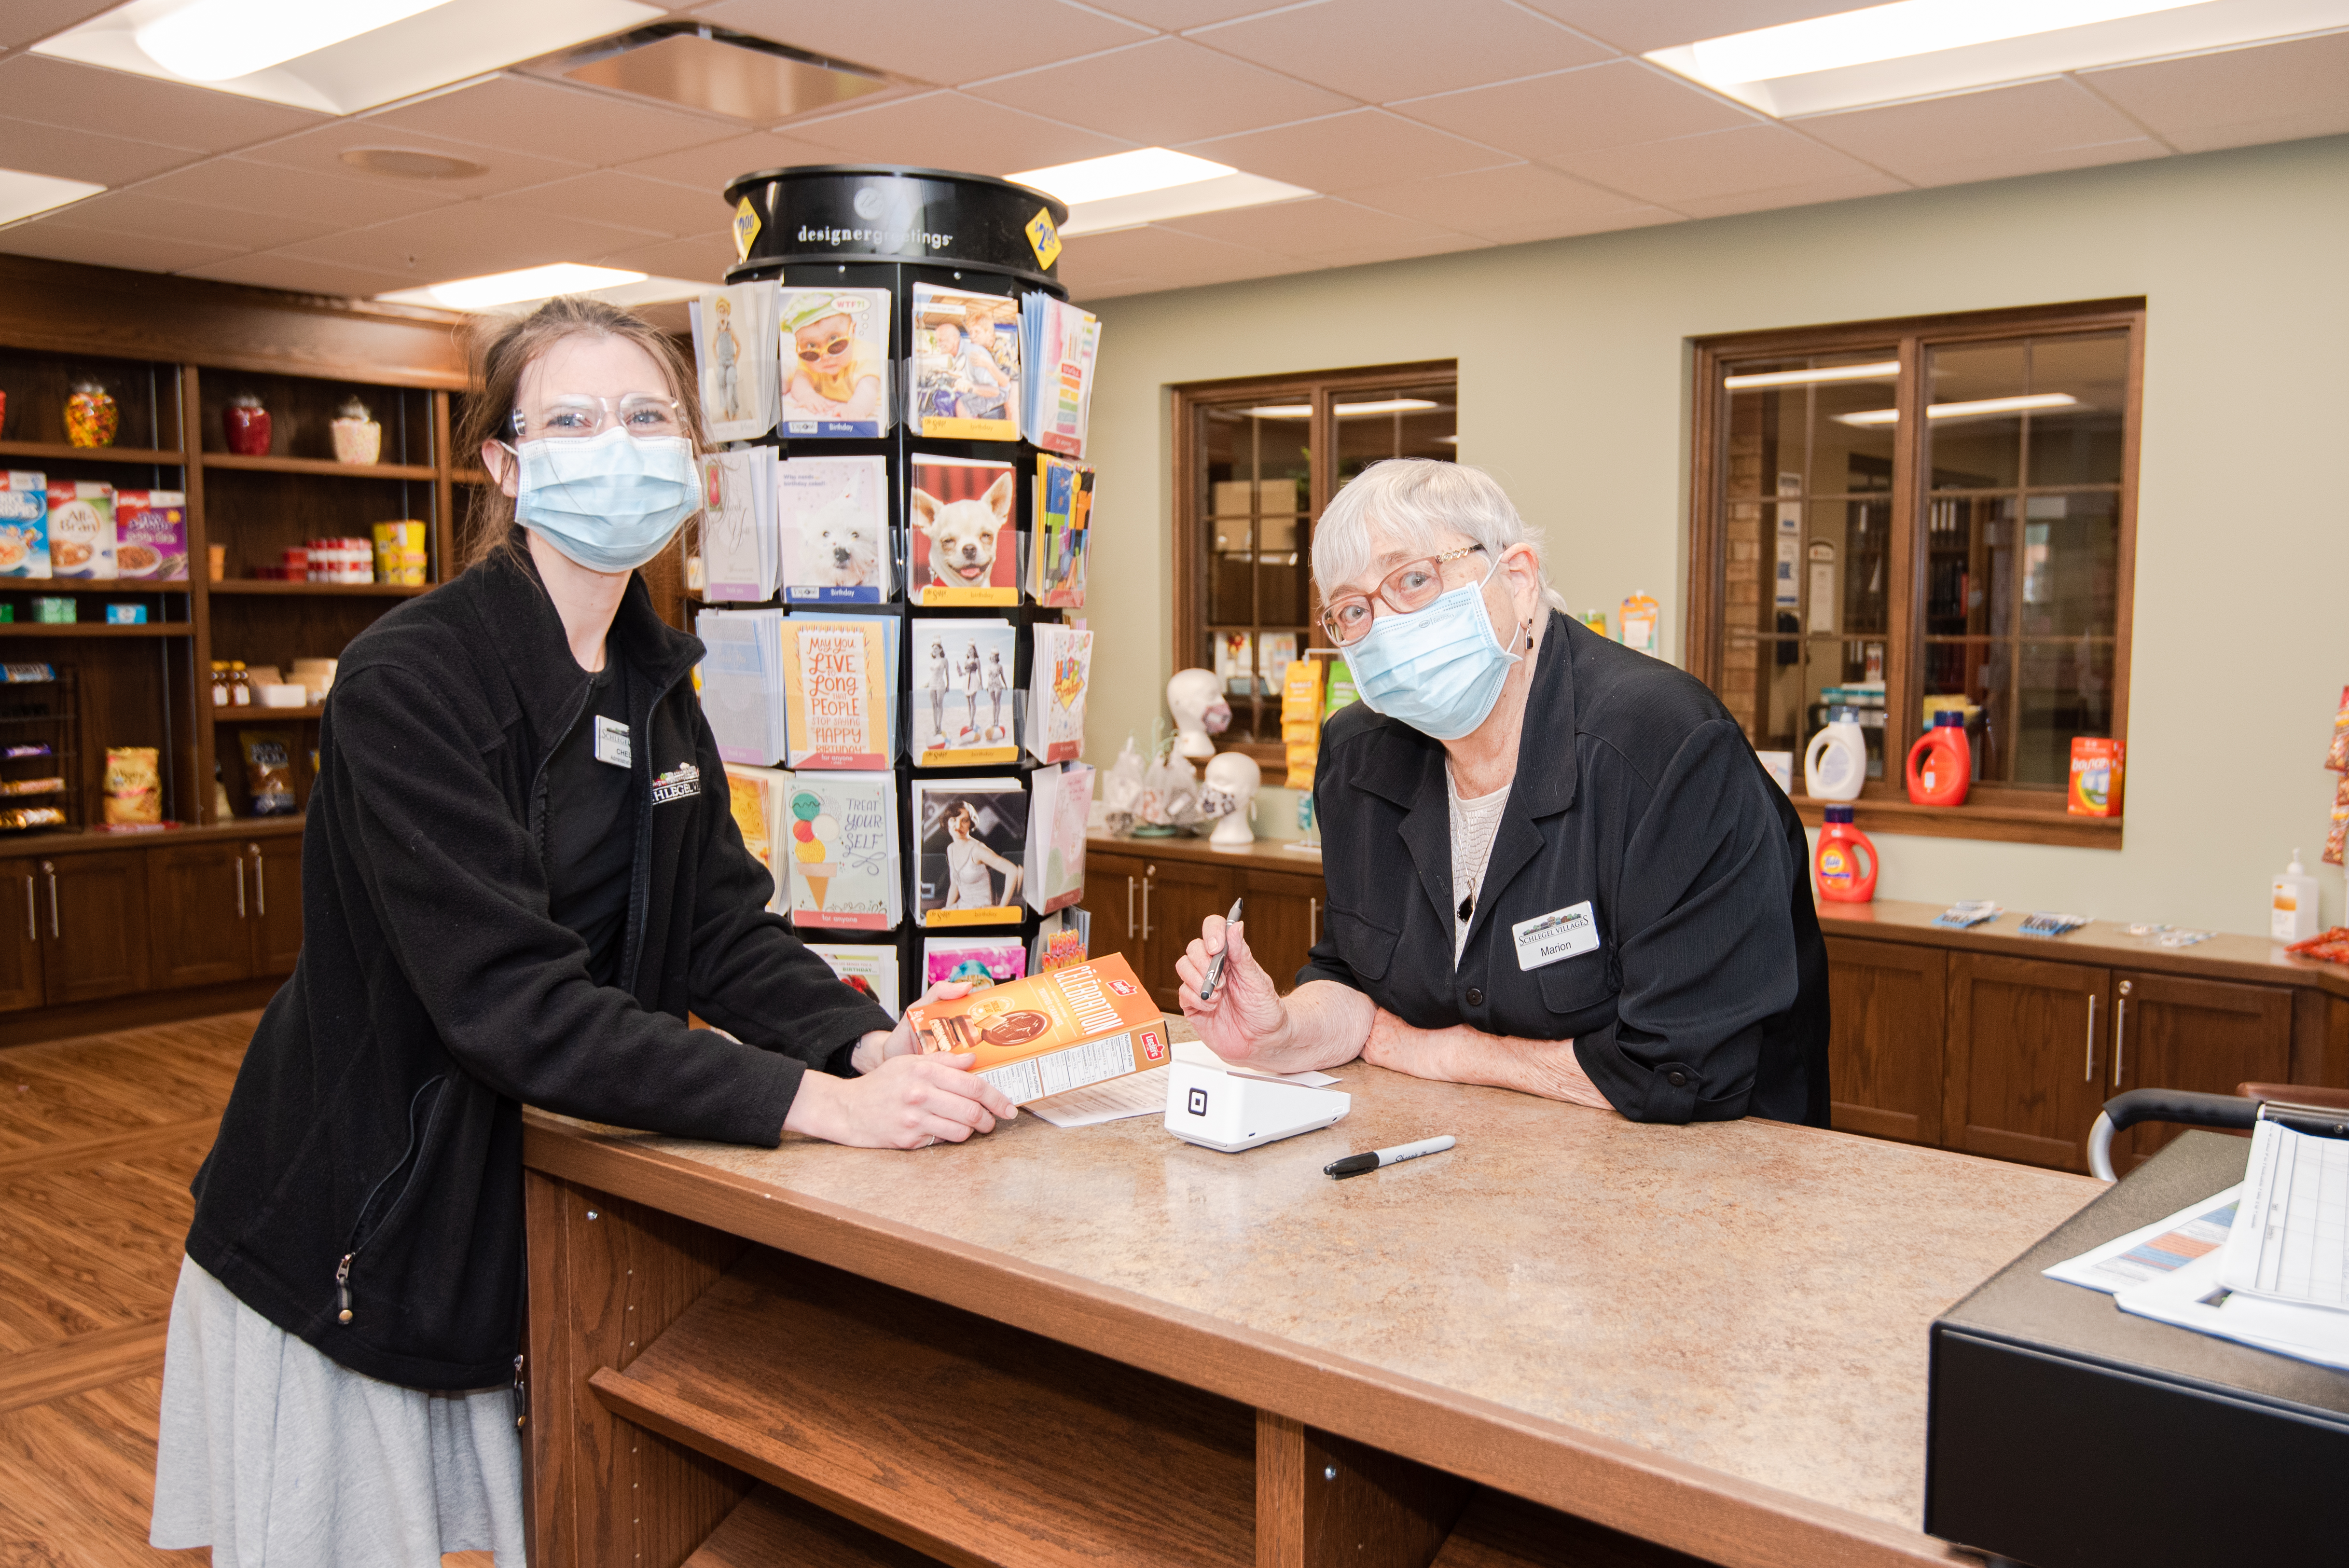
249,714
329,466
96,629
142,457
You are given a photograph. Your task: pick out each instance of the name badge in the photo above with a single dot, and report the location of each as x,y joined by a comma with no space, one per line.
612,742
1560,933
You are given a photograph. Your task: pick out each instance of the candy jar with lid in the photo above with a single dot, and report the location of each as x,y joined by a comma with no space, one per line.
248,426
357,438
92,418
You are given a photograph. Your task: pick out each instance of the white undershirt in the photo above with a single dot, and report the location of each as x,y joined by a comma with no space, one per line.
1473,823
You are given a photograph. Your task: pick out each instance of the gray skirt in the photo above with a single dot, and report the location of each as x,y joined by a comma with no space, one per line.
275,1457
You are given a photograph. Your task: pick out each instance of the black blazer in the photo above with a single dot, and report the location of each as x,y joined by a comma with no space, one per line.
1705,998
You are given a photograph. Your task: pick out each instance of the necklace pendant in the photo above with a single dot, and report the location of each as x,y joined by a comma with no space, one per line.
1468,906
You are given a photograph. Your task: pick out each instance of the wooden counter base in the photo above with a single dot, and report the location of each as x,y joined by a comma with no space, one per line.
1101,1346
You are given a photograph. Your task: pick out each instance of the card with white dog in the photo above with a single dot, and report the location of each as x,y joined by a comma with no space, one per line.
962,534
834,517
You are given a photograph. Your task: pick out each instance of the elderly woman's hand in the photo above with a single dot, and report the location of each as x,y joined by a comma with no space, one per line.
1245,1021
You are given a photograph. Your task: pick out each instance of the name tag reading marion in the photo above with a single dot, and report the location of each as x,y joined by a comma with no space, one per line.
1560,933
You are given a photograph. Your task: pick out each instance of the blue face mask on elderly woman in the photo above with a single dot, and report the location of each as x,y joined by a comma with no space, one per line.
611,501
1438,670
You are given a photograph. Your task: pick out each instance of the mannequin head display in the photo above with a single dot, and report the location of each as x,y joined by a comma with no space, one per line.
1196,699
1233,777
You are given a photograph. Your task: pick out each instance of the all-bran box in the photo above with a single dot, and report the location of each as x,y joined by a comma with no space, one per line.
24,525
1055,1031
150,535
81,529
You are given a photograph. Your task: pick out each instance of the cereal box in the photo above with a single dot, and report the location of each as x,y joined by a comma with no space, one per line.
24,525
1051,1032
81,529
2098,767
150,535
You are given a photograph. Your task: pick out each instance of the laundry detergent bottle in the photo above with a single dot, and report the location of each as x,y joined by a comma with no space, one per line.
1941,762
1835,765
1844,864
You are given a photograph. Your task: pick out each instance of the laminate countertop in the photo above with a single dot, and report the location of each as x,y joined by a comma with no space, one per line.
1711,1337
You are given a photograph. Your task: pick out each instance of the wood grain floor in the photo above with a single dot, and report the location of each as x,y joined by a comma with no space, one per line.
99,1140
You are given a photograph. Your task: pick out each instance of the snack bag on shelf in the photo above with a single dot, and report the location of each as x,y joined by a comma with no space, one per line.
2337,758
24,525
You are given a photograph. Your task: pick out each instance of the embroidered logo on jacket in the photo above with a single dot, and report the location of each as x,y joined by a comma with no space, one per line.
677,783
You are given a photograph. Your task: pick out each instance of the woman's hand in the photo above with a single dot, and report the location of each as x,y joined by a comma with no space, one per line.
907,1103
877,1047
1245,1020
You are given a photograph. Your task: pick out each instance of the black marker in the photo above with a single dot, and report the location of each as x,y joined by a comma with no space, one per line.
1371,1159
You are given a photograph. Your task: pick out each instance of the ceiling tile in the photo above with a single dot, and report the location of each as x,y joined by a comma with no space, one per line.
320,152
466,240
1611,105
1377,50
699,258
1368,255
1718,163
30,21
942,41
104,248
609,196
1963,167
84,98
238,186
1310,227
84,155
1367,146
1564,229
1803,193
144,213
1174,16
1497,203
2274,92
1635,27
1153,252
714,167
551,119
1161,93
2010,122
953,130
268,270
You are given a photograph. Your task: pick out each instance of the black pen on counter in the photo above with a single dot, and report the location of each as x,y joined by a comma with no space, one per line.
1373,1159
1216,965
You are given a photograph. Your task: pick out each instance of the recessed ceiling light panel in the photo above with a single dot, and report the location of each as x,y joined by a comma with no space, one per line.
698,66
22,195
524,289
1126,190
402,51
1920,48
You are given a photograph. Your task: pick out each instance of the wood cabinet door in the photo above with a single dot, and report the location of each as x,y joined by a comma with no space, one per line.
1177,896
20,935
2028,1058
1888,1001
277,873
96,907
2207,1035
201,930
1283,920
1113,900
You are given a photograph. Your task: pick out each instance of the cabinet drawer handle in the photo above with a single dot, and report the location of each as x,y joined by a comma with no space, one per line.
49,869
1145,909
259,888
240,887
2120,1031
31,923
2088,1073
1312,922
1129,906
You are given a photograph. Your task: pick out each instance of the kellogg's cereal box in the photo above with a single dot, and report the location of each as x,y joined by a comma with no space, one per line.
24,525
1060,1030
81,529
151,534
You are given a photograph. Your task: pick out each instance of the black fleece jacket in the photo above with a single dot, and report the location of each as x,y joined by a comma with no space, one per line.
370,1158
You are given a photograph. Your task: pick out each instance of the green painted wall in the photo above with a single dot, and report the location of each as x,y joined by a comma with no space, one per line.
1573,392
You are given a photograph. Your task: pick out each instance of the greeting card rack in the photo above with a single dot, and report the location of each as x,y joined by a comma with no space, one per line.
882,226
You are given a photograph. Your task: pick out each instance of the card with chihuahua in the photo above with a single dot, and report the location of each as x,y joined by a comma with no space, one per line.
962,531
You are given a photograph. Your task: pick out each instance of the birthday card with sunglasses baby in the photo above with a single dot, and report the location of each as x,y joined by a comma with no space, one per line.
732,329
836,375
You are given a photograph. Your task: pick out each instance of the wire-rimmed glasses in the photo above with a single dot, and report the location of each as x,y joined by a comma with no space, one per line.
644,415
1414,586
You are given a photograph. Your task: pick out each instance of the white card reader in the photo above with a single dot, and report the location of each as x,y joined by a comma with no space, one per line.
1236,1111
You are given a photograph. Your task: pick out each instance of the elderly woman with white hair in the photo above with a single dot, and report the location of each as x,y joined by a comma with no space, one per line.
1619,879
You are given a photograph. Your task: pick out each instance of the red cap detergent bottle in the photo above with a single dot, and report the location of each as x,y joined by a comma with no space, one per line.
1941,762
1844,862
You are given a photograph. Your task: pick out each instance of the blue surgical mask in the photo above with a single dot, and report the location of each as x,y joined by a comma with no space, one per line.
1439,670
610,502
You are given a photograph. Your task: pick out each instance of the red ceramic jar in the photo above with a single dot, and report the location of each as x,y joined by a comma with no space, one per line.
248,427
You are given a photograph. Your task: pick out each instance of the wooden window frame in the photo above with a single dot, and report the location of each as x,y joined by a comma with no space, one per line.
1999,811
1322,387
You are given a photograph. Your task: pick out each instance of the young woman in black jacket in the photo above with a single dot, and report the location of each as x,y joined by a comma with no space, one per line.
519,872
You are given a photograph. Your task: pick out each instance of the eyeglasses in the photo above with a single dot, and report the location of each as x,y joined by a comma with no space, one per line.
641,414
1415,585
837,346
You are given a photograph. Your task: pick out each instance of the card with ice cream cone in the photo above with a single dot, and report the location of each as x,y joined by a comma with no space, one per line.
839,837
